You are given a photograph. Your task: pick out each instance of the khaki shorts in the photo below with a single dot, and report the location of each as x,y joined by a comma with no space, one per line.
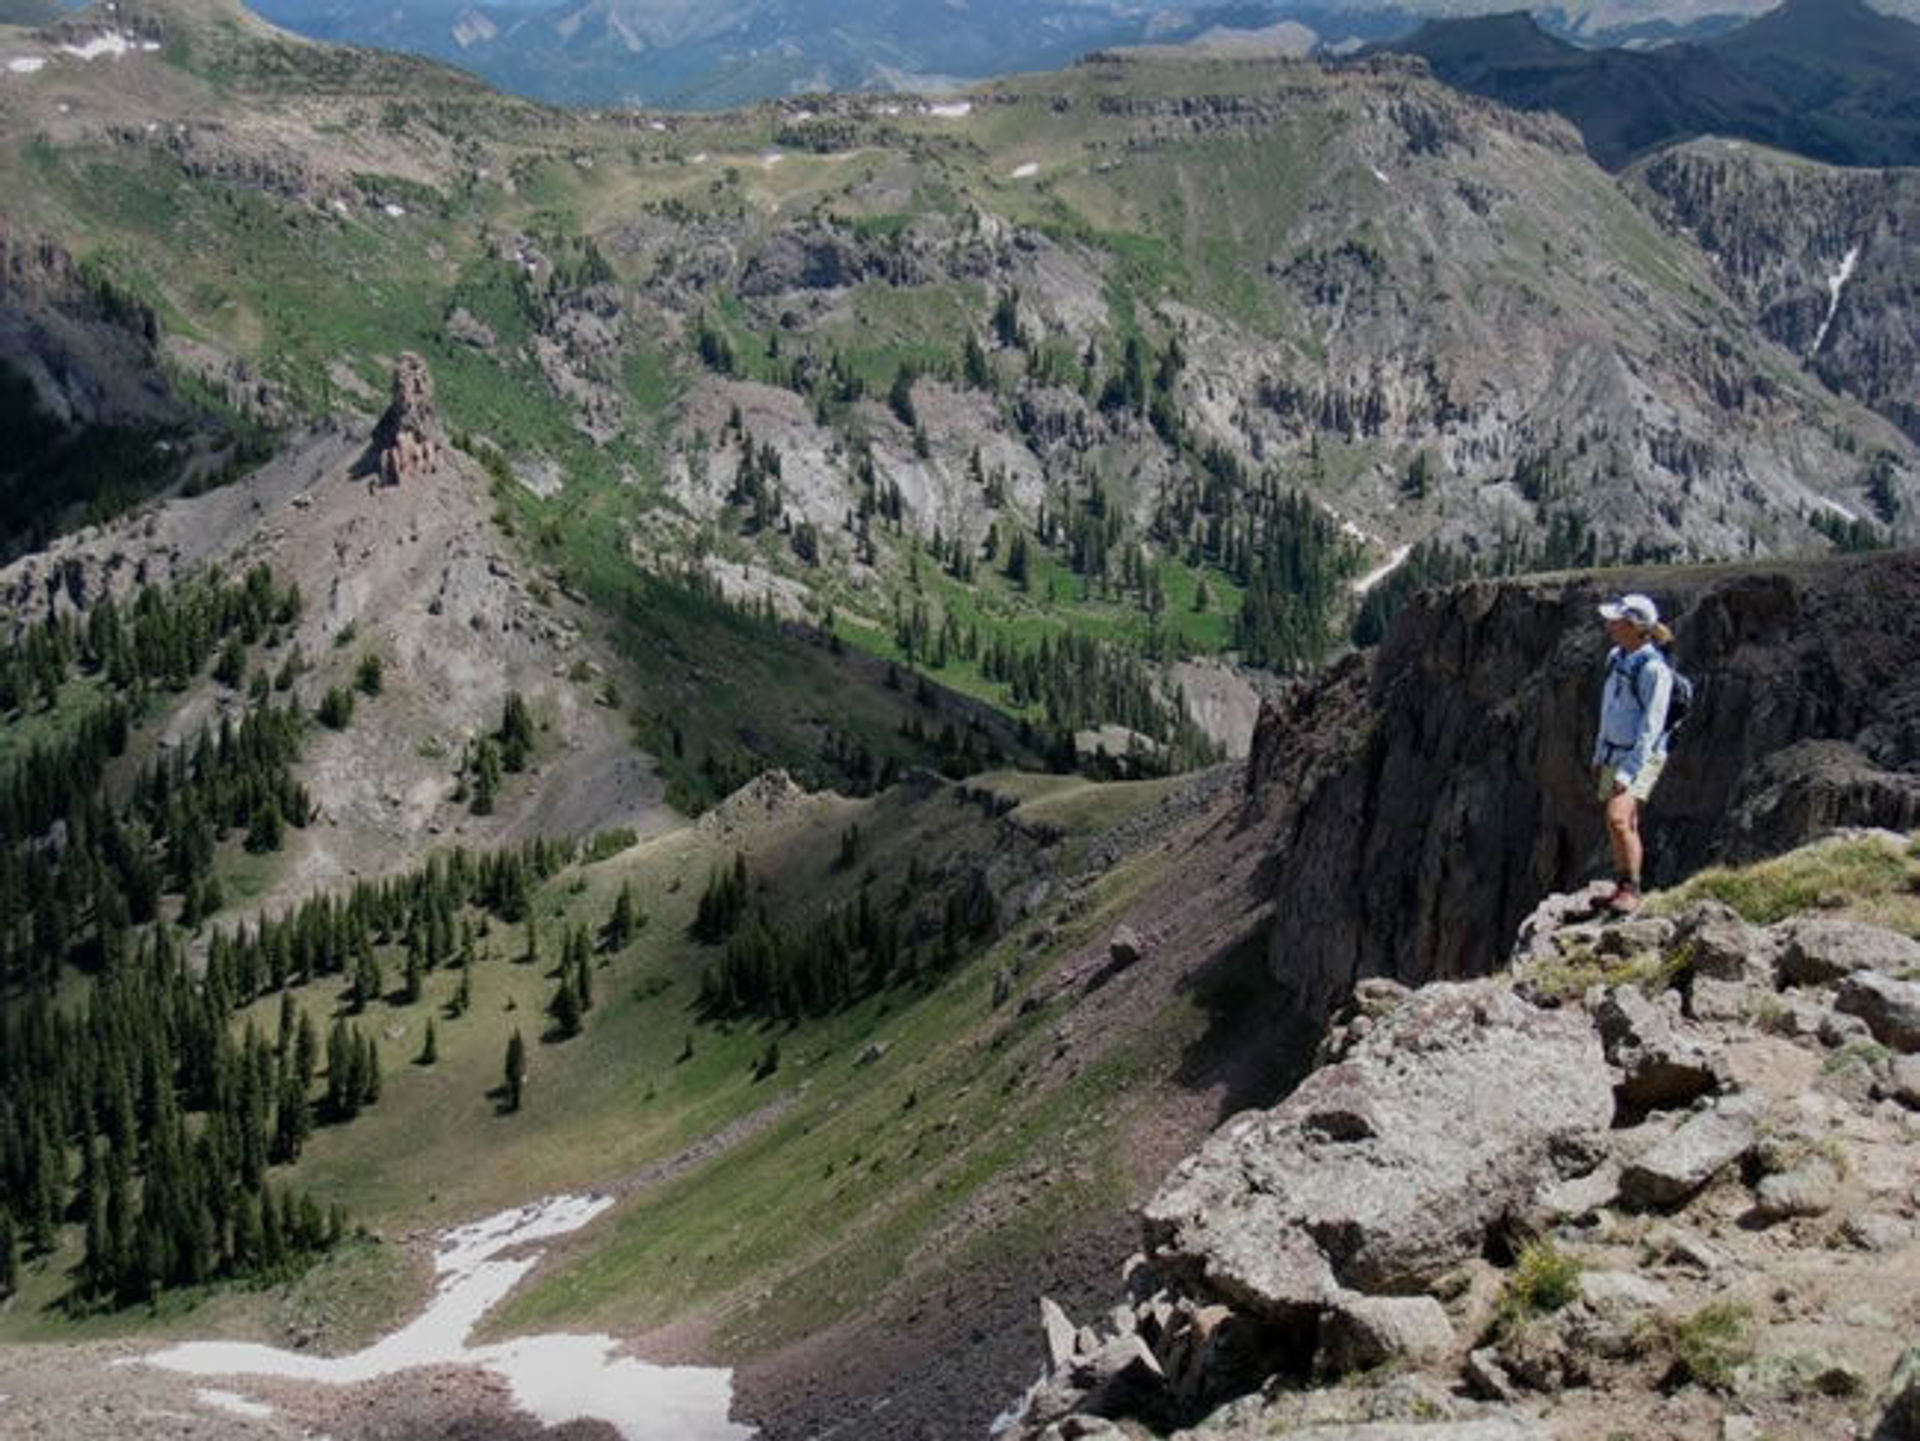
1640,787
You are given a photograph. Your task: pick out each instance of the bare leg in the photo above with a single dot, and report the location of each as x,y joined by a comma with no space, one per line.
1623,835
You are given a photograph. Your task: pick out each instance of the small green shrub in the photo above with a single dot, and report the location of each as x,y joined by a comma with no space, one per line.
1544,1279
1712,1343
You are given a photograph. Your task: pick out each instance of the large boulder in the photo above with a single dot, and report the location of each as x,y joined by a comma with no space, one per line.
1902,1420
1890,1008
1659,1067
1382,1172
1818,950
1681,1164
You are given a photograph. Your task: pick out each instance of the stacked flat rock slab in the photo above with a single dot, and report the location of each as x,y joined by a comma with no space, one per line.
1675,1168
1386,1169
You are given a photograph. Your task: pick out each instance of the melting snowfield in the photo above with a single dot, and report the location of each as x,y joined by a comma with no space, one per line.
112,43
1027,171
555,1378
1836,283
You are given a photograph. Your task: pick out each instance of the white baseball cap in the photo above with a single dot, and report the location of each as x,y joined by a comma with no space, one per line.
1639,609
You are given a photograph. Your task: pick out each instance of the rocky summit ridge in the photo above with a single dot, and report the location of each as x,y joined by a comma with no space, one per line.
1656,1178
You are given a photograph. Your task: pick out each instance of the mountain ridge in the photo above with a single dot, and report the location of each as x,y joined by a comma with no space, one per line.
1822,80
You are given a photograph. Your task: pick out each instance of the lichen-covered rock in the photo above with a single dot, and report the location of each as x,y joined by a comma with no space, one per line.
1809,1189
1890,1008
1818,951
1720,945
1676,1167
1659,1067
1381,1172
1359,1332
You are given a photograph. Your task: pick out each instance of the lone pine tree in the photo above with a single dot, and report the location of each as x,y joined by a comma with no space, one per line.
516,1070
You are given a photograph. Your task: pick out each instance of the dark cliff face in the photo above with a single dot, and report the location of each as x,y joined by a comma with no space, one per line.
1423,799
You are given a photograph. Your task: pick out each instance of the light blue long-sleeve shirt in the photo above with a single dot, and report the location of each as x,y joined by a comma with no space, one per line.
1633,710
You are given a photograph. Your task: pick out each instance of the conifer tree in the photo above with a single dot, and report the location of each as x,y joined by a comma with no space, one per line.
622,924
9,1254
516,1070
486,776
430,1047
565,1006
516,733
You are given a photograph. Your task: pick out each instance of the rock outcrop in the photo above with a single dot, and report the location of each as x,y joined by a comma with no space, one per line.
406,443
1467,1223
1392,1165
1423,799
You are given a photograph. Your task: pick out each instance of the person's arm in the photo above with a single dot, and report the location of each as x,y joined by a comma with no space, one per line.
1600,731
1656,677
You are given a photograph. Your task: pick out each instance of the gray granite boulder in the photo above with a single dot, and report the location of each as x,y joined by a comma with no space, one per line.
1818,951
1359,1332
1890,1008
1659,1067
1675,1168
1382,1172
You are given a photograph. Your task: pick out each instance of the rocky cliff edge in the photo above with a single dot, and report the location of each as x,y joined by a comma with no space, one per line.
1660,1177
1424,797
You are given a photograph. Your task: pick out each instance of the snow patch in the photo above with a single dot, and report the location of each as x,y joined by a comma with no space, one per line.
1827,503
27,64
1836,283
396,211
557,1378
1380,175
112,43
771,159
700,159
951,109
1026,171
658,127
233,1405
1380,572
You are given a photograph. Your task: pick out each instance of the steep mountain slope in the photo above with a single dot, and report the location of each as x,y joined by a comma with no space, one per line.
1827,80
1822,259
1166,352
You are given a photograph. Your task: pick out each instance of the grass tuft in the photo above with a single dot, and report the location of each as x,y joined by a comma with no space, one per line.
1544,1279
1872,876
1712,1343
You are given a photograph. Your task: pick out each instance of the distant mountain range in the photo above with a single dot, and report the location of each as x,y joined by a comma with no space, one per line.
678,53
704,55
1831,79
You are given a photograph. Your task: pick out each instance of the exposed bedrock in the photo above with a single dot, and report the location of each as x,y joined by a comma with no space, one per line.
1425,797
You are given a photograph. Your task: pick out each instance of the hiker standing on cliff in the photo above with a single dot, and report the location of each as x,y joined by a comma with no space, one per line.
1631,748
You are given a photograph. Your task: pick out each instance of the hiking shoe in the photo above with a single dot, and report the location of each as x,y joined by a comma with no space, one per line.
1624,901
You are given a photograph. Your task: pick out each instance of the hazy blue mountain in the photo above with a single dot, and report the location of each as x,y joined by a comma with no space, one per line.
676,53
1831,79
